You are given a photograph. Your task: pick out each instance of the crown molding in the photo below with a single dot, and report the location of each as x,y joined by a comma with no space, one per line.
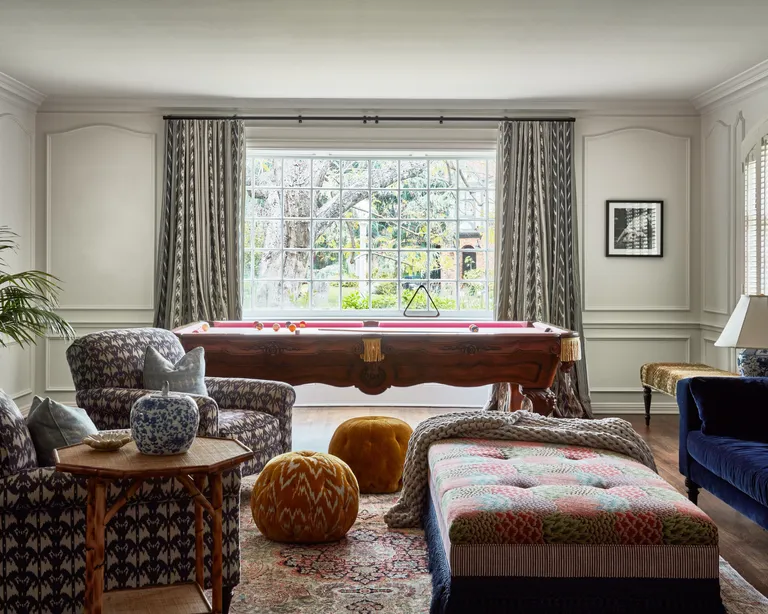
266,106
16,92
733,89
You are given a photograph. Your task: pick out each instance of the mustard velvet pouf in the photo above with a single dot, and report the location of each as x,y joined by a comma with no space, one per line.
305,497
374,447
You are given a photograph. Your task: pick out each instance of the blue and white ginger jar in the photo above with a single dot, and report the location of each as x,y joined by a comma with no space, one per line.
164,423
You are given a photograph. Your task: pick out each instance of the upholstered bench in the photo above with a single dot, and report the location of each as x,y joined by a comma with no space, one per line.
531,527
663,377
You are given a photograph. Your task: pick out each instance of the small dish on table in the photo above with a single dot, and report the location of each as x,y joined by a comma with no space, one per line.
107,441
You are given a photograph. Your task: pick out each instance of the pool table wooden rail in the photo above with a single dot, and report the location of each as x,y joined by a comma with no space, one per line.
374,359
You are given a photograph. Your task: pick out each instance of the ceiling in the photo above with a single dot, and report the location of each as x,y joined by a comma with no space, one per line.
394,49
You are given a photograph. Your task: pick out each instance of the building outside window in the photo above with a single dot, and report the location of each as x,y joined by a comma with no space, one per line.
338,234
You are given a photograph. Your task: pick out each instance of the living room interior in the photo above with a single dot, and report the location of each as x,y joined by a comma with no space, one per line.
182,167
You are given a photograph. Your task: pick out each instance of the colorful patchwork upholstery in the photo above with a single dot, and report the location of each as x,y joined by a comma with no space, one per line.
510,492
514,493
663,376
107,368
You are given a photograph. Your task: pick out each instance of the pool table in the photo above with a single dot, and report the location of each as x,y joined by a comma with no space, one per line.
374,355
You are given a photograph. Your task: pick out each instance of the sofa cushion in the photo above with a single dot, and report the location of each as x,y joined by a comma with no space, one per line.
739,462
17,452
187,375
732,407
54,425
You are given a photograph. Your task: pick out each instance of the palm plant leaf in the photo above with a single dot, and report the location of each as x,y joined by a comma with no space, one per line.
28,301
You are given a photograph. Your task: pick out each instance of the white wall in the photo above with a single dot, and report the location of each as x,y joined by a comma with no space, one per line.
98,192
17,141
725,125
638,310
98,198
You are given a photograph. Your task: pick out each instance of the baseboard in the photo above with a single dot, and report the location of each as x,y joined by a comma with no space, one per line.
633,408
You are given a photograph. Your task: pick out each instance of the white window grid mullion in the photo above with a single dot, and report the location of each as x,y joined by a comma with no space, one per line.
400,220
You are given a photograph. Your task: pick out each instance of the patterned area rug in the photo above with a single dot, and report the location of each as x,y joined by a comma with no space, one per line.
372,570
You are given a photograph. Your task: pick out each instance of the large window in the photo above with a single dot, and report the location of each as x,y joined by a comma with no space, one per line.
755,219
351,233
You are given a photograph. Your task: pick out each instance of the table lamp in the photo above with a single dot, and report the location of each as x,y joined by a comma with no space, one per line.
747,329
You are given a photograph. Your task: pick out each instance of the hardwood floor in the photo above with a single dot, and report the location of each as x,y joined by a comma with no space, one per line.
743,543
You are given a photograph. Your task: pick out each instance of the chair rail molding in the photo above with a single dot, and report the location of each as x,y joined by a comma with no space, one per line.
151,176
587,303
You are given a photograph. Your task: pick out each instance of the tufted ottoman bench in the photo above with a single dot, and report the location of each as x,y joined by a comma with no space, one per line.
663,377
538,528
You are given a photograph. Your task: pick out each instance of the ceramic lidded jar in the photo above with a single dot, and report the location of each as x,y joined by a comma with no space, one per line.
164,423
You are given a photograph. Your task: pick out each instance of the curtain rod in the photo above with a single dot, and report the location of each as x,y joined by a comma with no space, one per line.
375,119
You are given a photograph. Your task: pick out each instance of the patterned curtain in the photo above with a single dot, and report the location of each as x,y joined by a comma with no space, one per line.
198,269
538,258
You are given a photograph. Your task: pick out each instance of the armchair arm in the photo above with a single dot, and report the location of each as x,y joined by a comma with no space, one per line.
689,421
110,408
44,489
269,397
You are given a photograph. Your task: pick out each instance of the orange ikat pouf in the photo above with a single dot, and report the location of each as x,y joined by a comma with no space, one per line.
374,447
305,497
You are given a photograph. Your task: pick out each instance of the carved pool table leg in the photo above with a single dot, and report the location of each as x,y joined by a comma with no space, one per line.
647,394
543,399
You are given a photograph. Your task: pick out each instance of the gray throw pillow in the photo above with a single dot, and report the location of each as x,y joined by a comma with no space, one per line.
187,375
54,425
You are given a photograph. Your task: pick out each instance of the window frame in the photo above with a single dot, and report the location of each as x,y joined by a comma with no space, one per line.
755,147
484,149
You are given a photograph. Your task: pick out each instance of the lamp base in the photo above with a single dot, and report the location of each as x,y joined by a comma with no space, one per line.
753,363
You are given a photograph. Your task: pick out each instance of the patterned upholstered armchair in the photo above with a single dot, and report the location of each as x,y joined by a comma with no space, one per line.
150,541
107,369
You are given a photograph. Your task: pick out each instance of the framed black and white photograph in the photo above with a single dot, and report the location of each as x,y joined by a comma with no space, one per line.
634,228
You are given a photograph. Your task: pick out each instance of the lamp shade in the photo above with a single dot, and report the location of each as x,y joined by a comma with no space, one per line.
748,324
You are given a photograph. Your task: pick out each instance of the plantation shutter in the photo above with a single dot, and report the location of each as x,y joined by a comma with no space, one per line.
756,219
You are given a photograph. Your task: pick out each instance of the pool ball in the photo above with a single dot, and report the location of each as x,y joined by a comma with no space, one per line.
302,324
258,325
205,326
275,327
288,324
474,328
292,327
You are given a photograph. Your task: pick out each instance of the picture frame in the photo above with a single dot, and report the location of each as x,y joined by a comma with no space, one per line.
634,228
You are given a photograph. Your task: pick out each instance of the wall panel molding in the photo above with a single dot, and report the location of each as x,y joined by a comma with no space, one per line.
19,191
635,339
710,206
143,201
594,233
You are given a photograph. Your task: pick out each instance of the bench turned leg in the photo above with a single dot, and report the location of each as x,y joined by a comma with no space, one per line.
647,392
693,491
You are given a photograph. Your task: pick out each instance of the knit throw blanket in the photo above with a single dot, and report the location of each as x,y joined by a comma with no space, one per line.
612,434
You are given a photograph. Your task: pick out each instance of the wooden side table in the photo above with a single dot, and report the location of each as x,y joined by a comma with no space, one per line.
208,457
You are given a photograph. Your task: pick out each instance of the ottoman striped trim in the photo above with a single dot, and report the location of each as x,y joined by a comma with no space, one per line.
576,560
584,561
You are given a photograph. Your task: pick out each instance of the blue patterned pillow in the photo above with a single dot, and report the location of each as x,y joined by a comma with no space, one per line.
17,452
55,425
187,375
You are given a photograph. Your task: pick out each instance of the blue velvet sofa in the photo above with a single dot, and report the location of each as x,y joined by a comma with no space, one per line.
724,441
